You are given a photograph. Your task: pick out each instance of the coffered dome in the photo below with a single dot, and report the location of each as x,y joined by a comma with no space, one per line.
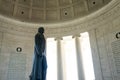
46,11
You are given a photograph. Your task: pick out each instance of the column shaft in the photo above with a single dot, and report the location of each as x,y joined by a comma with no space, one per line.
79,59
59,60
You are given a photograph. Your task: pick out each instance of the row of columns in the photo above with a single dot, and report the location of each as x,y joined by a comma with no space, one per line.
79,58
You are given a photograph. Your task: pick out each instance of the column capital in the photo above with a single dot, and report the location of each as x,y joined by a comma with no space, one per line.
76,35
58,38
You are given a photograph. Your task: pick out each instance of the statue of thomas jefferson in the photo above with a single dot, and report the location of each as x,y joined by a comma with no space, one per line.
39,68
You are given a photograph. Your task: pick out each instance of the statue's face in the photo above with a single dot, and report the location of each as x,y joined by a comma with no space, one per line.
41,30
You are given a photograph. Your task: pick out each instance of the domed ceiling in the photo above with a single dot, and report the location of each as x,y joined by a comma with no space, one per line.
49,10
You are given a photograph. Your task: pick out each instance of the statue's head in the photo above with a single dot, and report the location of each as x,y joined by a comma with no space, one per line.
41,30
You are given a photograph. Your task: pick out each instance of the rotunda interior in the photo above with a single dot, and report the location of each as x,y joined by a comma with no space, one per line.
82,36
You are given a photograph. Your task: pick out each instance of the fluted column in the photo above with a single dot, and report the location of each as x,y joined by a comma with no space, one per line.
79,58
59,59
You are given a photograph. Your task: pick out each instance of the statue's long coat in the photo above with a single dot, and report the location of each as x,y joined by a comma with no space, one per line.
39,64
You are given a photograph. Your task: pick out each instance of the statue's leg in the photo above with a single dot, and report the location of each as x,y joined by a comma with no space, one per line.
44,64
39,69
44,76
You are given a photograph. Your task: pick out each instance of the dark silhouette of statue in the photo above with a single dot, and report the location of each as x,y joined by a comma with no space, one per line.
39,68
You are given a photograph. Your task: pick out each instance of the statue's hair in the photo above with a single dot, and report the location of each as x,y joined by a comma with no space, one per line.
41,30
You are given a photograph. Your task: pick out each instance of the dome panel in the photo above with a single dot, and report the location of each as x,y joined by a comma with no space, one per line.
51,15
95,4
106,1
10,0
51,3
24,2
22,12
79,9
66,13
38,14
6,8
38,3
49,10
64,2
74,1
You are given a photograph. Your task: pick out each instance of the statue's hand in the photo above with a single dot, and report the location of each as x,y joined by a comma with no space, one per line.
39,55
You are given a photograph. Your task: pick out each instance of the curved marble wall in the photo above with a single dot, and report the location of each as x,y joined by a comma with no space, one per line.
101,25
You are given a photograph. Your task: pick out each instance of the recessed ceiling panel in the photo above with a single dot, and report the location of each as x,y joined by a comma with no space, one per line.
106,1
38,3
75,1
52,15
22,12
9,0
51,3
6,8
64,2
25,2
94,4
66,13
80,9
38,14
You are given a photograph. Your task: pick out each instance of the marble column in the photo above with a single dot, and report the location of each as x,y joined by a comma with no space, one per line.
79,58
59,59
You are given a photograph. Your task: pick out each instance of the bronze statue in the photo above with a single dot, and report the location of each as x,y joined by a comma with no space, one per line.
39,68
